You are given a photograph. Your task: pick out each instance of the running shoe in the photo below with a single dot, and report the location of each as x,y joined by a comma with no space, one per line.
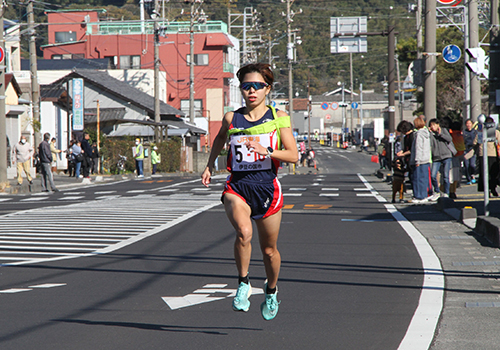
473,181
240,301
434,197
269,308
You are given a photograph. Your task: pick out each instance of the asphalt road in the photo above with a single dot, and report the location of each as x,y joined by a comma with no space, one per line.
148,265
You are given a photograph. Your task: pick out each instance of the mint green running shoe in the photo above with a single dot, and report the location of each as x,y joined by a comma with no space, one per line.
269,308
240,301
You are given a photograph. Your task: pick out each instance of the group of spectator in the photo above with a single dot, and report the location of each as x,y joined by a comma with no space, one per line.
433,155
83,158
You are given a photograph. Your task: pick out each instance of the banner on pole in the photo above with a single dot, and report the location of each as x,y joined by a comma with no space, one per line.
78,104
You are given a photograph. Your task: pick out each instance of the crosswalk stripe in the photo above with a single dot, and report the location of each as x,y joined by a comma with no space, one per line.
62,232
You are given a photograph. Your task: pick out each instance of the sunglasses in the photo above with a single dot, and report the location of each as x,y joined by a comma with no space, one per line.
257,85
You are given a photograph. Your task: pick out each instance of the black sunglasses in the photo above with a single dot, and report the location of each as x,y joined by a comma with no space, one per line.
257,85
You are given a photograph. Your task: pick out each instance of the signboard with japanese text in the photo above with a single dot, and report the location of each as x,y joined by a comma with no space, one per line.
77,104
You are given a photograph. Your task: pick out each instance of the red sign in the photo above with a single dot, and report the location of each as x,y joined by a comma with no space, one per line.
328,117
335,105
2,54
450,2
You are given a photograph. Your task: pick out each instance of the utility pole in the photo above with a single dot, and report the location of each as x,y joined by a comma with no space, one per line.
430,60
466,105
352,93
158,136
191,64
3,119
35,88
290,57
419,28
475,83
391,78
494,75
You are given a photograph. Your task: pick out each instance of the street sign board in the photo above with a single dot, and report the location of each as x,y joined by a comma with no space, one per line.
2,54
354,105
350,40
324,105
451,54
335,105
328,117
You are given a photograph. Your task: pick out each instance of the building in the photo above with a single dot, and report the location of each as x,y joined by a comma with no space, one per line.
130,45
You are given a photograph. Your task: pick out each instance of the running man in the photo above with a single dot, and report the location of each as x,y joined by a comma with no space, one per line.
252,191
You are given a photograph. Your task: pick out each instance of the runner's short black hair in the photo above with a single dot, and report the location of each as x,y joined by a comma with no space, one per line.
263,69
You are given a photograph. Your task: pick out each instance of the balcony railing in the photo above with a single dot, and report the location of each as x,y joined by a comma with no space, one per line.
113,28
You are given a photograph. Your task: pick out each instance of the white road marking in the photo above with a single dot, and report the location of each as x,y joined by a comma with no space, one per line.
297,189
136,191
169,190
72,193
14,290
104,192
365,195
422,328
292,194
361,189
202,295
328,194
60,232
33,199
70,198
329,189
48,285
5,199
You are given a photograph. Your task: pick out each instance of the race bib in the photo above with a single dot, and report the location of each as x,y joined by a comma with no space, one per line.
245,160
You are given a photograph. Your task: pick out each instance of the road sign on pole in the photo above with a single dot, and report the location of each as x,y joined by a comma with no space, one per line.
2,54
451,54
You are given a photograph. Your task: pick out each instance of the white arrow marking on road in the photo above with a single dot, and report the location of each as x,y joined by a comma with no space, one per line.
202,295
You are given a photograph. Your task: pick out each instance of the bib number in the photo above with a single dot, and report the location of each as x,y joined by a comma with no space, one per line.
245,160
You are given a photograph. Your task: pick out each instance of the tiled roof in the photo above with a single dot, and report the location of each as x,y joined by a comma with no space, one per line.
123,90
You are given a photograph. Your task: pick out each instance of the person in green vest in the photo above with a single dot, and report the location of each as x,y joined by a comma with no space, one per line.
138,151
155,159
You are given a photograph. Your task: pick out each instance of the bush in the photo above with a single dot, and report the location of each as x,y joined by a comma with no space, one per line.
111,149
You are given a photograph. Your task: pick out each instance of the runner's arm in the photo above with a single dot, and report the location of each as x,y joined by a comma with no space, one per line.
219,142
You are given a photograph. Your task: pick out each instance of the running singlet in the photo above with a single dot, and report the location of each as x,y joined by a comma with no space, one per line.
247,165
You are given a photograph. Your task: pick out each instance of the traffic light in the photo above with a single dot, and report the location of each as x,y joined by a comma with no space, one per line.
477,61
343,104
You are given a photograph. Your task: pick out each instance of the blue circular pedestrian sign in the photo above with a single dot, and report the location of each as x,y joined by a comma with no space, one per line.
451,54
354,105
324,105
273,103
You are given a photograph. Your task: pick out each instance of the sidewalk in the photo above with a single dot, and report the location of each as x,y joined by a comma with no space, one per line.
470,263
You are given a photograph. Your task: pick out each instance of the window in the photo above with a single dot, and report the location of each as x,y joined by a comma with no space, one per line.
130,62
199,60
198,107
65,37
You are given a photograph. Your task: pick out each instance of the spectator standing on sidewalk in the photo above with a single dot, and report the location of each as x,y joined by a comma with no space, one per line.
76,150
420,161
138,151
22,153
87,154
95,158
441,157
493,170
54,151
155,159
458,158
406,128
470,134
46,160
